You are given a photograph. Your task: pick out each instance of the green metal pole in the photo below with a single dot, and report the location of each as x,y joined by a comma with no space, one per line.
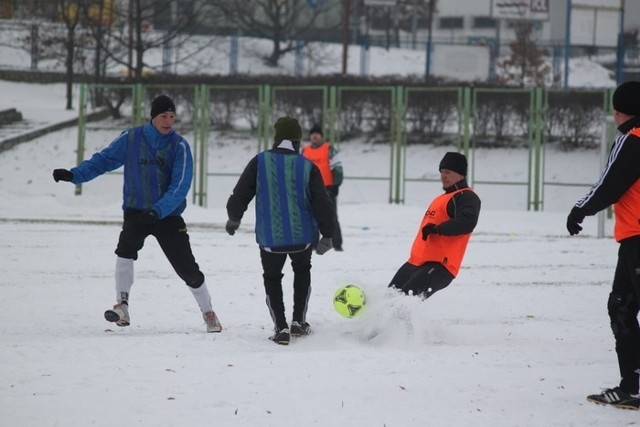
533,135
543,142
196,120
264,117
403,142
325,111
82,129
333,114
398,128
538,145
204,143
465,112
138,104
392,151
530,190
334,133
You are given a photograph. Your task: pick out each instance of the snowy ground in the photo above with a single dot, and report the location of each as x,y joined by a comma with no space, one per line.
519,338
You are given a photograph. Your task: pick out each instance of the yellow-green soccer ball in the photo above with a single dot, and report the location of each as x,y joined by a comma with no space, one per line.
349,301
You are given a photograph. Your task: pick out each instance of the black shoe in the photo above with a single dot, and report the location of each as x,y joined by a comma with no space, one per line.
299,329
616,397
281,337
338,248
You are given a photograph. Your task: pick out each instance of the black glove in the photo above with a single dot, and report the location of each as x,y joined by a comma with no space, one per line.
430,228
324,245
574,220
62,175
148,217
232,226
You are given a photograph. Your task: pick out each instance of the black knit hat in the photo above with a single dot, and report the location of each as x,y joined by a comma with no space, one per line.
626,98
454,162
287,128
315,129
162,104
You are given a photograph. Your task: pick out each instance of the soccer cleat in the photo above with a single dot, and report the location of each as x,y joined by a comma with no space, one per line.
299,329
616,397
281,337
119,314
213,324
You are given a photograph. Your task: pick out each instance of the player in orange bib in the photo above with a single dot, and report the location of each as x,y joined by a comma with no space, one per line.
327,158
438,249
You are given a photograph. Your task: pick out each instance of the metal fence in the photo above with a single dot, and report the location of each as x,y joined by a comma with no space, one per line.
399,119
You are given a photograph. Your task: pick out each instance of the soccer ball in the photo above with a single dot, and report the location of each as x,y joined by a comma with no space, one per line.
349,301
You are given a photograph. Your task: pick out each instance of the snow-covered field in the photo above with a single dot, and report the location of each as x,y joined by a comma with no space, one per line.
519,338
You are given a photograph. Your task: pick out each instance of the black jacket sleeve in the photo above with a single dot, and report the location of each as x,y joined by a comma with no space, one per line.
619,174
243,192
321,203
464,210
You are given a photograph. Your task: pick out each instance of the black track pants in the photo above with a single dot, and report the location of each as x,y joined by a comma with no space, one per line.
272,264
422,281
623,304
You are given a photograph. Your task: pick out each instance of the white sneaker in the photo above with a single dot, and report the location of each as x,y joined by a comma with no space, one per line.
213,324
119,315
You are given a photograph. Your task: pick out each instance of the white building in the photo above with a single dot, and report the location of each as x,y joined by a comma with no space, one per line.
592,22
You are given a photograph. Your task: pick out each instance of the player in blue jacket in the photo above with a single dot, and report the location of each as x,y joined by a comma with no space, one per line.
158,169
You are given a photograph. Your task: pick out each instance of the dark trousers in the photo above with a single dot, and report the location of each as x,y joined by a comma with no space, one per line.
171,234
272,264
422,281
623,306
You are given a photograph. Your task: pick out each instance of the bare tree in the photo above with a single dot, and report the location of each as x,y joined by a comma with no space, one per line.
66,11
525,66
69,12
284,22
135,35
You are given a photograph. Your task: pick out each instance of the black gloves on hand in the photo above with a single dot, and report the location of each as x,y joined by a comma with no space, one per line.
430,228
324,245
232,226
148,217
62,175
574,220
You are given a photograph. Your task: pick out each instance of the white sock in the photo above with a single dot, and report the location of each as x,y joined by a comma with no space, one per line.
124,278
202,297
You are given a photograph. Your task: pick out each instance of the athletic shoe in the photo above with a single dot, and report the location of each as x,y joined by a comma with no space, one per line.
281,337
616,397
213,324
119,314
300,328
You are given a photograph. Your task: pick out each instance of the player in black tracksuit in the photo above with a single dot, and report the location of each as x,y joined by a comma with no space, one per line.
292,205
619,186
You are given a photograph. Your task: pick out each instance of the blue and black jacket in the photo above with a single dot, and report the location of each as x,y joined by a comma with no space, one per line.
292,204
158,169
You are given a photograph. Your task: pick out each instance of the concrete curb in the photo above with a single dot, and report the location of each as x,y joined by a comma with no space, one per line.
15,140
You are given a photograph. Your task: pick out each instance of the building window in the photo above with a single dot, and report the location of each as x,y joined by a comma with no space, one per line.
451,23
484,22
